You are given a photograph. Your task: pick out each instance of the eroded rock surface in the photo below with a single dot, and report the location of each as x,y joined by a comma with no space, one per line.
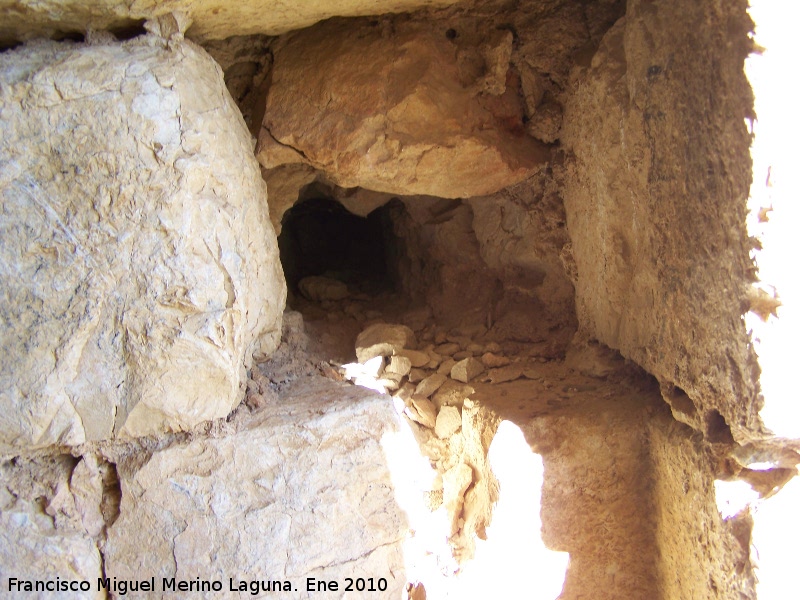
139,267
427,114
656,204
304,490
24,19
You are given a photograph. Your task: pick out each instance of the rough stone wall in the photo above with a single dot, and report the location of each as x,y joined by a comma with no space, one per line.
655,192
700,555
139,268
24,19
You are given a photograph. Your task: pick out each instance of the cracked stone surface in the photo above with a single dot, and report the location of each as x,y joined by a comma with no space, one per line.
304,491
138,265
442,126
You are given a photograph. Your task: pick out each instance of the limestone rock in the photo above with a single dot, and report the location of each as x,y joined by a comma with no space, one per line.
416,375
139,267
32,548
25,19
303,491
446,366
429,385
399,365
448,421
442,130
318,288
447,349
467,369
492,360
42,532
456,481
656,203
507,373
418,358
452,393
423,412
383,339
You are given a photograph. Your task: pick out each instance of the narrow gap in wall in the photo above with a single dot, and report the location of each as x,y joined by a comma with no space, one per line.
73,36
9,45
128,30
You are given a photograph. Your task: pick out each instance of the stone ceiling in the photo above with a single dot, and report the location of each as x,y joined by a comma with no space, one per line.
212,19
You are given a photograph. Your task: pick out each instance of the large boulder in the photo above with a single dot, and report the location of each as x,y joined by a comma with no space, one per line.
138,266
304,490
428,112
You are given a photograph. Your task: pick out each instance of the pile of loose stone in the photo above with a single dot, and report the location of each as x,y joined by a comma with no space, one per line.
432,381
429,380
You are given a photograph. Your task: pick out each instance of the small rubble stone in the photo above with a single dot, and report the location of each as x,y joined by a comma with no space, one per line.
504,374
389,384
319,288
493,347
435,360
474,348
447,349
466,369
446,366
400,365
440,337
383,339
404,393
448,421
422,411
416,375
492,360
418,358
462,354
429,385
452,393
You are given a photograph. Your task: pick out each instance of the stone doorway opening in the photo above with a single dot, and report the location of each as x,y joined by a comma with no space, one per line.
328,252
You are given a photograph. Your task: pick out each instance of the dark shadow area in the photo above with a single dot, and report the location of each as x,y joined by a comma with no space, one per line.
320,237
129,30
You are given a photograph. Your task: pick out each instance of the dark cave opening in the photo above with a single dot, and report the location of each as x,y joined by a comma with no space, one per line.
321,238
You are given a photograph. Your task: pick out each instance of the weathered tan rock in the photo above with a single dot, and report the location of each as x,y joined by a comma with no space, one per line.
446,366
448,421
456,481
305,491
418,358
422,411
320,288
452,393
429,385
24,19
445,129
466,370
43,534
656,203
507,373
32,548
139,265
447,349
399,365
383,339
491,360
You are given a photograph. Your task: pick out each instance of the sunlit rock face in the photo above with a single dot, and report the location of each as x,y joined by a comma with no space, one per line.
139,268
24,19
399,108
304,490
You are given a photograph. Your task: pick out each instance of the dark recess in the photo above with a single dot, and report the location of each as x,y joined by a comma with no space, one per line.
320,237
